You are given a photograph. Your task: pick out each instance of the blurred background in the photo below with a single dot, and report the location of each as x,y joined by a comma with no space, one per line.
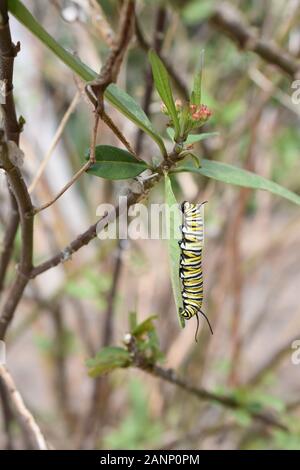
252,244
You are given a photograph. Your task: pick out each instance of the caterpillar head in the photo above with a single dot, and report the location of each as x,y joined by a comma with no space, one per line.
185,206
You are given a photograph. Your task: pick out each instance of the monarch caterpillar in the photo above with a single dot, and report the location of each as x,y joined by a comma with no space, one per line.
190,271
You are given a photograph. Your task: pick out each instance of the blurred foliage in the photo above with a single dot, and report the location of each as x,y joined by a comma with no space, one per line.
138,429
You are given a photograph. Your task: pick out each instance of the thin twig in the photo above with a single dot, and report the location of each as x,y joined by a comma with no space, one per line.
23,412
55,141
109,74
77,175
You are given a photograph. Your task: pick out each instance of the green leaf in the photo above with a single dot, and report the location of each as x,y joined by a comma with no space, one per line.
233,175
196,93
108,359
145,327
115,164
193,138
174,221
117,97
163,86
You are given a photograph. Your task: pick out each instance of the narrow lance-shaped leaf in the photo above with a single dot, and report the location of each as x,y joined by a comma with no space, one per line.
163,86
117,97
233,175
115,164
173,223
197,87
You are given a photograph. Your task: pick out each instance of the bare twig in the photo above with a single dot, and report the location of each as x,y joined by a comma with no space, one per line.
8,51
55,141
109,73
231,22
23,412
77,175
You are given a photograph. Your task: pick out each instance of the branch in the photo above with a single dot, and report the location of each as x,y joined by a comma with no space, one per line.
169,375
8,417
8,51
77,175
231,22
25,209
55,141
82,240
23,413
109,74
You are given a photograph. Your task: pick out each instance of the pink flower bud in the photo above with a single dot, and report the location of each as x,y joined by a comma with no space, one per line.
202,113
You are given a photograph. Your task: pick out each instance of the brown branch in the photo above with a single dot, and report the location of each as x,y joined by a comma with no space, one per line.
25,209
169,375
8,417
8,51
231,22
109,74
9,238
24,414
91,233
